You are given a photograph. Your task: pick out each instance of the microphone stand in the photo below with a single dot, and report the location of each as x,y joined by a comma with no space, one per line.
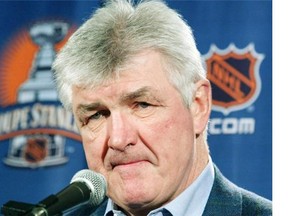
14,208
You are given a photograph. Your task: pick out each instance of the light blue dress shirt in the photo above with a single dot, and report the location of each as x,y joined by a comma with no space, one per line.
190,202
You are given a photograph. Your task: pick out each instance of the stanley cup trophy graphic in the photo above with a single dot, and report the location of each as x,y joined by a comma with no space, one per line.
36,150
40,85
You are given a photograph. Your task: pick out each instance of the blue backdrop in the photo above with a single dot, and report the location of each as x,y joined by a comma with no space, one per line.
40,149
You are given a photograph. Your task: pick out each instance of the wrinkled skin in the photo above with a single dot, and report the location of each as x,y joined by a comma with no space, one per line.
138,133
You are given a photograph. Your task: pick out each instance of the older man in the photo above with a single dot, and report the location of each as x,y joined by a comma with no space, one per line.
133,77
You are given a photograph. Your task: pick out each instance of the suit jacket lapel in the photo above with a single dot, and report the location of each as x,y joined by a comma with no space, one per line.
100,211
224,199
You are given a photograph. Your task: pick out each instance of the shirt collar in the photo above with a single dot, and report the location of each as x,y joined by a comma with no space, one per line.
193,200
190,202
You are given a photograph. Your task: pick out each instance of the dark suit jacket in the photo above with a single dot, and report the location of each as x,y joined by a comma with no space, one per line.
226,199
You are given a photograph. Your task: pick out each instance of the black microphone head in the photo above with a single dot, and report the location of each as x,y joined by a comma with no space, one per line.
96,183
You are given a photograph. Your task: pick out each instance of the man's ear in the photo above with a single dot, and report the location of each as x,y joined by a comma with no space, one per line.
201,105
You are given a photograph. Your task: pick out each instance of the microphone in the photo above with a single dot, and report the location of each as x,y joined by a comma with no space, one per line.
86,187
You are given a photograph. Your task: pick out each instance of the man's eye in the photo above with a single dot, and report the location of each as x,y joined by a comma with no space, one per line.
144,109
99,114
143,104
96,116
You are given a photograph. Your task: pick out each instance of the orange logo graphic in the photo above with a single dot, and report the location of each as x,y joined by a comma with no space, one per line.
30,113
234,76
16,63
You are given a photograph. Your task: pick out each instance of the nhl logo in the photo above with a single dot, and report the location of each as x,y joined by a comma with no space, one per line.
36,149
234,76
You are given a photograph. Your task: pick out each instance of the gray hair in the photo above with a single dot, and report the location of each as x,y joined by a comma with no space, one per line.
115,33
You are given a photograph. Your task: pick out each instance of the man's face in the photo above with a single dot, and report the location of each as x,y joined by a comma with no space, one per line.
137,132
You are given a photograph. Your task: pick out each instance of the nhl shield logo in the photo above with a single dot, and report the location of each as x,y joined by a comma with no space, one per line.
234,76
36,149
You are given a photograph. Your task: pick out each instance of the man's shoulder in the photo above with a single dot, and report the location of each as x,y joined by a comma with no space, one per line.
255,204
229,199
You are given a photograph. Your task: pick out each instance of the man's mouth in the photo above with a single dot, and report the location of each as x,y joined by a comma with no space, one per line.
128,164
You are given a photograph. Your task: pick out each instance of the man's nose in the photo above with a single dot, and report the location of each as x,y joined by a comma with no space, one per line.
122,132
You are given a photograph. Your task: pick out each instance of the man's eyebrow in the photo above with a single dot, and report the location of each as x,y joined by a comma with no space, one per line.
83,108
139,93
